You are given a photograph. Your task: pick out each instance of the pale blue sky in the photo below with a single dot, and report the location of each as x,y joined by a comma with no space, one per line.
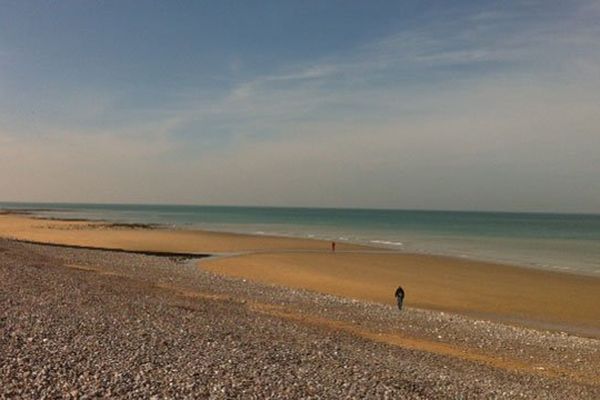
445,105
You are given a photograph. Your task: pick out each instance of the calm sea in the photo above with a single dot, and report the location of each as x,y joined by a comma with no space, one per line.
568,242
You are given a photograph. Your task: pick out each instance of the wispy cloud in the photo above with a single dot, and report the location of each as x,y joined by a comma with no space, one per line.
400,76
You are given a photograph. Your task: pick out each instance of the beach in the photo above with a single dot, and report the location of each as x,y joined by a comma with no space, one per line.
267,316
541,299
524,296
132,237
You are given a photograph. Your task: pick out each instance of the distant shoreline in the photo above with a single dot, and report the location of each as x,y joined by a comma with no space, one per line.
505,254
424,210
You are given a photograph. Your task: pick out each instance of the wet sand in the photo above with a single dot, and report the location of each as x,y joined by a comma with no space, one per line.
107,235
535,298
541,299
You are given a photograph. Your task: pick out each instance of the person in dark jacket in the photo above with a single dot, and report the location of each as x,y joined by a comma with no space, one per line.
399,297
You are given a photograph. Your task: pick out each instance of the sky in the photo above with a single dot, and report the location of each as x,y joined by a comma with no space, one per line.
464,105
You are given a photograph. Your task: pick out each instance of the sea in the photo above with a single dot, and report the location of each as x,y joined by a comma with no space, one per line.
562,242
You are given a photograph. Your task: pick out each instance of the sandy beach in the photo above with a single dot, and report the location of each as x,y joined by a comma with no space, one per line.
108,235
541,299
522,296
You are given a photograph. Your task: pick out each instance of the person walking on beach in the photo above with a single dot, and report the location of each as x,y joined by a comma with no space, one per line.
399,294
333,247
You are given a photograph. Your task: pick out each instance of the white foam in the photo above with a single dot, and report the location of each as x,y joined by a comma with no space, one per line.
387,242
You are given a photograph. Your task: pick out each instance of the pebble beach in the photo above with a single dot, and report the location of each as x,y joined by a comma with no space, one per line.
78,323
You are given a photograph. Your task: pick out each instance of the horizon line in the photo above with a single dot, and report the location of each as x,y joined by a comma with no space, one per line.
588,213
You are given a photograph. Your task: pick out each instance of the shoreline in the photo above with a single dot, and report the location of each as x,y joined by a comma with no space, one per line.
373,245
542,299
366,247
